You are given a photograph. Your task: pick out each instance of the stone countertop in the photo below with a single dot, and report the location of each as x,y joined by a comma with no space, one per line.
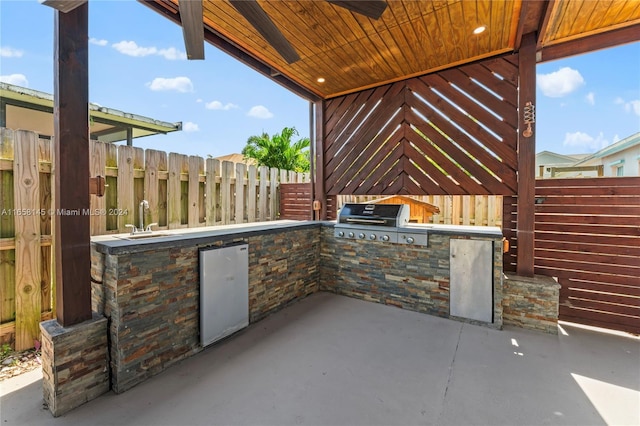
475,231
124,243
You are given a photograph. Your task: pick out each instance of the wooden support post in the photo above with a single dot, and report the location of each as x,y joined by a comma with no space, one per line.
71,130
129,136
319,187
3,113
315,204
526,159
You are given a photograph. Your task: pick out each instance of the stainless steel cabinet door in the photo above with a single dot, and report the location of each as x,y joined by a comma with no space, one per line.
224,292
471,286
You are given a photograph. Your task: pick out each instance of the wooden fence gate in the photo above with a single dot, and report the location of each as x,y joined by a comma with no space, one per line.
587,234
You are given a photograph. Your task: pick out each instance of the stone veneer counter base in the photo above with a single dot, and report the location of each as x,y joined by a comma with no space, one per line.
414,277
74,363
148,289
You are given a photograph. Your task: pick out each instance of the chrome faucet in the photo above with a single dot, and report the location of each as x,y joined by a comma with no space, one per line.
144,205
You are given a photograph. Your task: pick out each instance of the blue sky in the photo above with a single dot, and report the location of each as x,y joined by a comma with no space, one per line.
138,65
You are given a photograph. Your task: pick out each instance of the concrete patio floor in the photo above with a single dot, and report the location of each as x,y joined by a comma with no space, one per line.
332,360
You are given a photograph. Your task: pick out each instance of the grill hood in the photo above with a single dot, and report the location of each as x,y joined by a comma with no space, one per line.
388,215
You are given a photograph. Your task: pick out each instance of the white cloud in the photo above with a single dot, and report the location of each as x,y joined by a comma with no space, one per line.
97,42
172,54
190,127
9,52
131,48
179,84
260,111
560,83
591,98
584,142
633,106
15,79
217,105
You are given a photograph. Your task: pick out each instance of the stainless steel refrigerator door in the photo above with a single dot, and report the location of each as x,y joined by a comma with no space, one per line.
224,291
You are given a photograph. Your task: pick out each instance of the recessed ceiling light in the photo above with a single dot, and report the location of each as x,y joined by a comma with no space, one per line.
320,80
480,29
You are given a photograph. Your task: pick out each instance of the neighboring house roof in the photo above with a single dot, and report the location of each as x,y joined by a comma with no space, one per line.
626,143
29,109
549,157
237,158
613,155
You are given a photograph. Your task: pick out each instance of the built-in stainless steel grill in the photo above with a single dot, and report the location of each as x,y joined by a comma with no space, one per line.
388,223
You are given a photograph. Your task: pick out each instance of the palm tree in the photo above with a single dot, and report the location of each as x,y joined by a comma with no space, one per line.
278,151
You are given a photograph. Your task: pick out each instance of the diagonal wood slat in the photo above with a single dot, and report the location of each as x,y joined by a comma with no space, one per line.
466,84
449,133
464,129
369,161
355,153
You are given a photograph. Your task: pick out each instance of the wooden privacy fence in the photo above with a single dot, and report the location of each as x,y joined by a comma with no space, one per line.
182,191
587,234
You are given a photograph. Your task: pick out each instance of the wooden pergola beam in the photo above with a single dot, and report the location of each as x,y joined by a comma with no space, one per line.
192,28
71,159
605,40
532,15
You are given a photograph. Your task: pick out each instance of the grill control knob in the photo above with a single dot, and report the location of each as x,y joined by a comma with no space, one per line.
385,238
409,240
372,236
351,235
341,234
361,235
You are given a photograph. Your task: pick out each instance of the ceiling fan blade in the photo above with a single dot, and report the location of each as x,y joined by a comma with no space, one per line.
63,6
259,19
192,28
372,9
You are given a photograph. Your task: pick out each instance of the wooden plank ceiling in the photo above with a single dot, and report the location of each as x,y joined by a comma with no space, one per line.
352,52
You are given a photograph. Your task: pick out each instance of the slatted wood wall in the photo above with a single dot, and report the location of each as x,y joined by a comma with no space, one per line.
296,201
332,207
587,233
509,231
449,133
